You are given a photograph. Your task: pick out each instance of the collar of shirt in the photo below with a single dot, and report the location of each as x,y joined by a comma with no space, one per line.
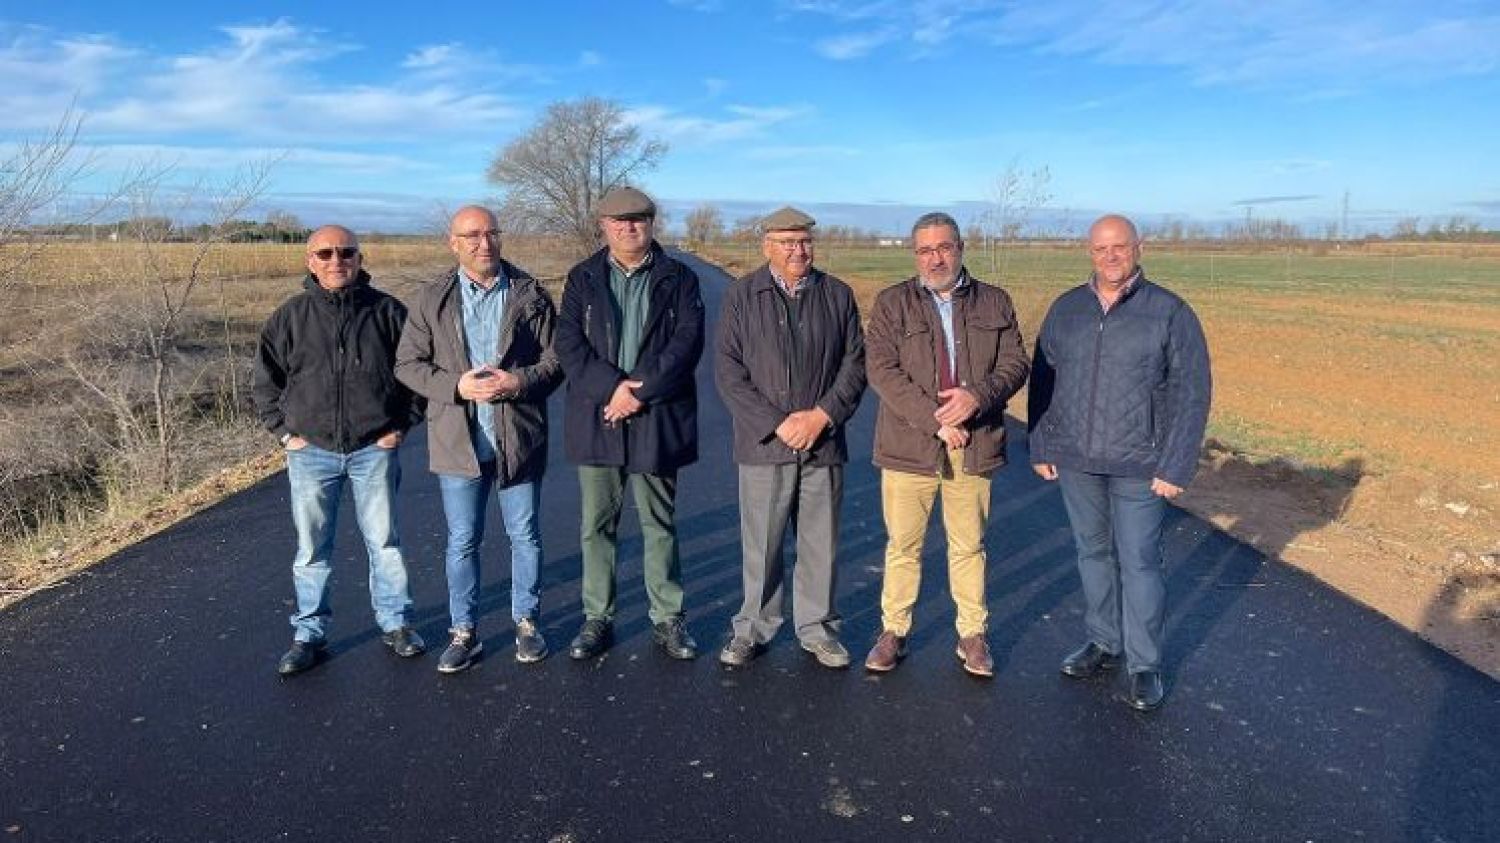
644,265
807,279
472,288
1125,289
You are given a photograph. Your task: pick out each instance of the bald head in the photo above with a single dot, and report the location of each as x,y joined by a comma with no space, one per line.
474,237
1114,249
333,257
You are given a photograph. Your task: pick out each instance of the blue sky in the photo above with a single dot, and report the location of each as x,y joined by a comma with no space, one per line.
866,112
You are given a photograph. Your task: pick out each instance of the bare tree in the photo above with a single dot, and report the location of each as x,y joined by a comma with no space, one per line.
1016,195
135,362
704,224
35,176
557,171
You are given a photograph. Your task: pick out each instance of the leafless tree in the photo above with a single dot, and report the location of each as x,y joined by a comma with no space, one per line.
704,224
1016,195
134,362
35,176
557,171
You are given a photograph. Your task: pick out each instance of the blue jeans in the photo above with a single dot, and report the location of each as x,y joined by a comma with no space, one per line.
1117,527
463,506
317,483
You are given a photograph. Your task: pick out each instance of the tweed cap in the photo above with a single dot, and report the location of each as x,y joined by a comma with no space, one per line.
626,202
787,219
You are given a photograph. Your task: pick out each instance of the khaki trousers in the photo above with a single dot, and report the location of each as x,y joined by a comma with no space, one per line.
907,501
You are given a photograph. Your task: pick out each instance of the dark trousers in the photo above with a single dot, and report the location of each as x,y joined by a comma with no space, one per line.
1117,527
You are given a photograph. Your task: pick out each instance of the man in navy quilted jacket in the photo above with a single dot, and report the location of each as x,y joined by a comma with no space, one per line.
1119,397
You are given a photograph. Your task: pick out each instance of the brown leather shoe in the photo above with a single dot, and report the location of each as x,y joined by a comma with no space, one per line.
888,651
974,652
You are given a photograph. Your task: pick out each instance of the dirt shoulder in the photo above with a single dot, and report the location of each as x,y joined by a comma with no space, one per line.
1423,551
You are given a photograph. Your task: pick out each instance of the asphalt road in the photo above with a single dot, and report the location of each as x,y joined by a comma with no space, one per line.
140,700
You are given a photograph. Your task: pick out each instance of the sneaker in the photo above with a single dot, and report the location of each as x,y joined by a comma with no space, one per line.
593,639
738,652
404,642
974,652
461,652
302,655
888,651
530,645
674,639
829,652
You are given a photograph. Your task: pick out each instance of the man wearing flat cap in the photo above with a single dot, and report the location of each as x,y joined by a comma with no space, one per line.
790,364
629,337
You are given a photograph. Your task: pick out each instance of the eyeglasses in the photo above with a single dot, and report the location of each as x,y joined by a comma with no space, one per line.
472,237
792,244
947,250
345,253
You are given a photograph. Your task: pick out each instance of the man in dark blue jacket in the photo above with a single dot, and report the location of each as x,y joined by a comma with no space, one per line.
1120,390
325,387
629,336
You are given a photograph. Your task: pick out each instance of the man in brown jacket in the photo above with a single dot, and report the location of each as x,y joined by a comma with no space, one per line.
944,353
478,346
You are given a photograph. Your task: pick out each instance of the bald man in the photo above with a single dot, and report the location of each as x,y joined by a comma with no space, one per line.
478,347
325,388
1120,390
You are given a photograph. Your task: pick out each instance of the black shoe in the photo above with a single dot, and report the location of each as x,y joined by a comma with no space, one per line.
739,652
673,637
592,639
530,645
404,642
302,655
462,650
1146,691
1089,660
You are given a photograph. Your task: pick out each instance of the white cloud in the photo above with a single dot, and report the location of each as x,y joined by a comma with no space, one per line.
267,83
854,45
745,122
589,58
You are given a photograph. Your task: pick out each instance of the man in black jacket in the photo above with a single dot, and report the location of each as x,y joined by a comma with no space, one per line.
1120,390
790,365
629,336
325,387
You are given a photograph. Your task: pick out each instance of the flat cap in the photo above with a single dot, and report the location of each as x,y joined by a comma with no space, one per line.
626,202
787,219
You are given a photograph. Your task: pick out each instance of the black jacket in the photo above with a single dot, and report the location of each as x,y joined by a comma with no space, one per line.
762,382
324,369
1125,393
664,436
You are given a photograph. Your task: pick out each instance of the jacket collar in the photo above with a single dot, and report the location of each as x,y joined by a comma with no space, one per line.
762,281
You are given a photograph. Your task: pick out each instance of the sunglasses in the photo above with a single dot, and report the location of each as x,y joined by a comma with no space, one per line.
345,253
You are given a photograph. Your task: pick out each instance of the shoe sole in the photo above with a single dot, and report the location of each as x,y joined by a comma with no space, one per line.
408,655
982,674
874,668
467,663
532,659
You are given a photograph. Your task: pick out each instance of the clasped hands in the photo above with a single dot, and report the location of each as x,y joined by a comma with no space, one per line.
488,384
801,429
957,407
623,404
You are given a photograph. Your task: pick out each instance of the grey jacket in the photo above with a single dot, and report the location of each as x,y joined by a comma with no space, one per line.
432,356
761,380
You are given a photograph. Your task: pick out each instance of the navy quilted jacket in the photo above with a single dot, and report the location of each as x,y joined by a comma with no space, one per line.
1124,393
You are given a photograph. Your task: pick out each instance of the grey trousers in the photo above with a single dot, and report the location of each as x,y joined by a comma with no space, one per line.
805,499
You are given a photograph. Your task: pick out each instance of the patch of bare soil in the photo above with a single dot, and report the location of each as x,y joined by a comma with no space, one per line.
1421,550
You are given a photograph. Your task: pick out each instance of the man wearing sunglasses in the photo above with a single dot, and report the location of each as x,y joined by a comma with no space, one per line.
478,347
325,388
790,364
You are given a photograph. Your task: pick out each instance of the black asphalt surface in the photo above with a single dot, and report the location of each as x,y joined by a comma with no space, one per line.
141,700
